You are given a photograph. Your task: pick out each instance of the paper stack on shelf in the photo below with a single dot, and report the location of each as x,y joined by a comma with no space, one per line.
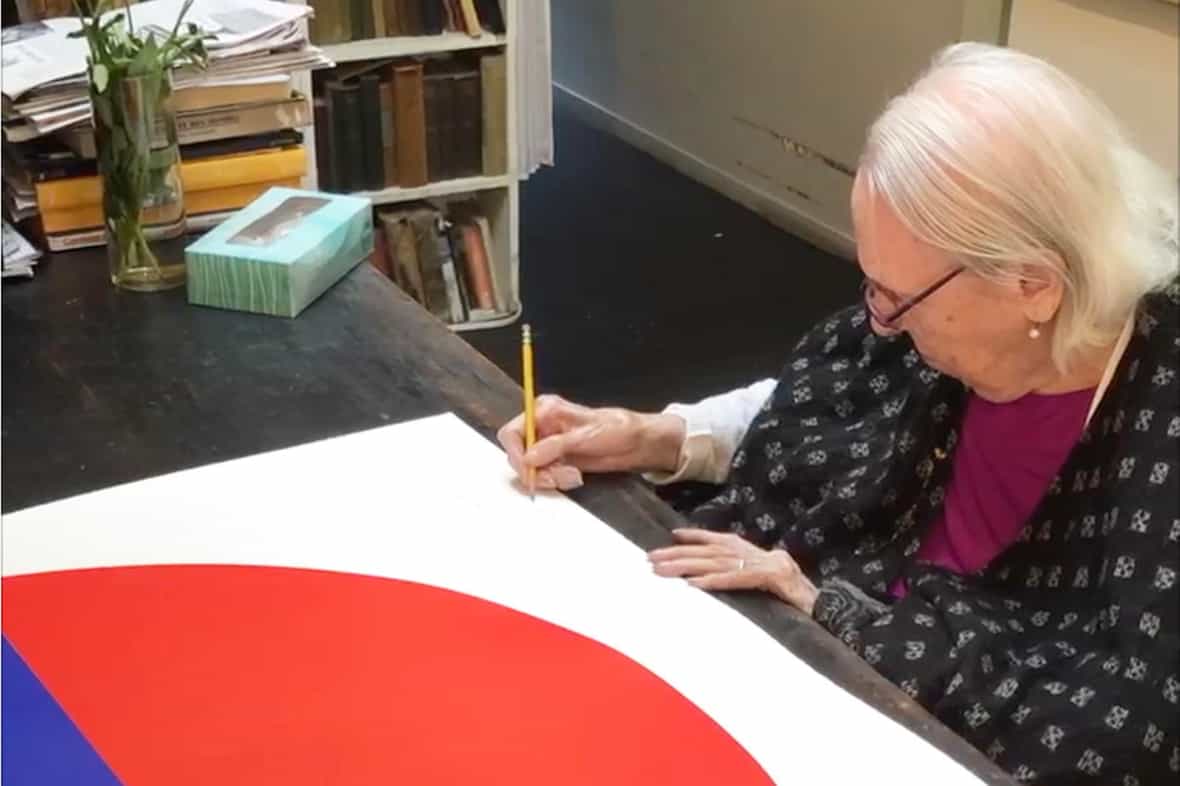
19,256
238,122
44,69
534,97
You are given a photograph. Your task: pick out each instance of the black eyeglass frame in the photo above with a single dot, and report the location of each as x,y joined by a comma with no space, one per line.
869,288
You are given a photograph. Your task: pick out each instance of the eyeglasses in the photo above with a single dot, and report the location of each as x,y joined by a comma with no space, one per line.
900,305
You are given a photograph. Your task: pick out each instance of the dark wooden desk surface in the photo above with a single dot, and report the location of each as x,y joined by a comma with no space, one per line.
103,387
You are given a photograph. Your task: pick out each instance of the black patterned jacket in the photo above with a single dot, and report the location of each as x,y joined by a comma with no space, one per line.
1061,659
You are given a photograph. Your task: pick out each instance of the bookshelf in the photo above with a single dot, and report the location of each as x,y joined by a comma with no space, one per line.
408,46
497,195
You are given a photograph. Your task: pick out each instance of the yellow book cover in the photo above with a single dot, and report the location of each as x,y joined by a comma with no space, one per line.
199,175
213,200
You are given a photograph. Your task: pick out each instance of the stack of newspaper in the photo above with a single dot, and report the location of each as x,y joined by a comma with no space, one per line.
19,255
45,70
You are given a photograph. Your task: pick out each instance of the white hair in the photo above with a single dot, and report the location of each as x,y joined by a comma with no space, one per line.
1002,161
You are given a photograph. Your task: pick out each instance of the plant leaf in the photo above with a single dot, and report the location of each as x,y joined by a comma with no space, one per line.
99,75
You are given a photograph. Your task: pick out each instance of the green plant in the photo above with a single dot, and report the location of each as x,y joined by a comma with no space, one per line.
129,82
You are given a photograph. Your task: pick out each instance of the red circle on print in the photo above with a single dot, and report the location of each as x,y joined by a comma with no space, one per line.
248,675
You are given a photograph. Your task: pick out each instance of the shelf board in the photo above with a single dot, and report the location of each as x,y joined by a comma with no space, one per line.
441,188
503,321
406,46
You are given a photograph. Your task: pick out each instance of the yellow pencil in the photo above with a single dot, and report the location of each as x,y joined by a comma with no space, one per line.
530,415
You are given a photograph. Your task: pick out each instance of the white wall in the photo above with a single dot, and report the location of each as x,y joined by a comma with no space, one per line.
722,88
1127,51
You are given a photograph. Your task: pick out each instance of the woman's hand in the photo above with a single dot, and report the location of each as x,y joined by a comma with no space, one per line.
572,439
724,561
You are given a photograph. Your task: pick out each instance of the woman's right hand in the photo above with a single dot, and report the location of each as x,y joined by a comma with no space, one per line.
572,439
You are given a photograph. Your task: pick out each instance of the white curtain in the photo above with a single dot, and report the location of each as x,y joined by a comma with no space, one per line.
534,93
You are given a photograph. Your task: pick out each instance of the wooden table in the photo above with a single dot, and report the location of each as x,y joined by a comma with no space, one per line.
103,387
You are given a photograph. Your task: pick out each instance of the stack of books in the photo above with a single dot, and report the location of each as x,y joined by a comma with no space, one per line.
443,257
337,21
406,123
237,123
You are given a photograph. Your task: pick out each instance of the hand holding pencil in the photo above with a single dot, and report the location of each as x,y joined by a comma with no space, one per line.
553,440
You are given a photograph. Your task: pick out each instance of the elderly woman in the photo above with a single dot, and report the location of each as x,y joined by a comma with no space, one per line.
970,479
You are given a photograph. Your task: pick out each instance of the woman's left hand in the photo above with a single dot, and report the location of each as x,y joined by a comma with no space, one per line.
724,561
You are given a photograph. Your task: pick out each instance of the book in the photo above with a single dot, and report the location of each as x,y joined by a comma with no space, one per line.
501,287
455,244
380,258
410,125
477,268
388,135
332,23
491,16
339,115
196,175
196,203
410,16
436,89
402,247
452,17
432,253
393,23
493,71
96,236
372,151
213,124
48,159
470,18
223,93
432,15
458,313
378,13
325,167
466,129
361,12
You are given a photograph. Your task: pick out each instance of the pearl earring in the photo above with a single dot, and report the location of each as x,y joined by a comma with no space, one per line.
1034,332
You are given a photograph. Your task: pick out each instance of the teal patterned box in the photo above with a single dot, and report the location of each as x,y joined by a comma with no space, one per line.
280,252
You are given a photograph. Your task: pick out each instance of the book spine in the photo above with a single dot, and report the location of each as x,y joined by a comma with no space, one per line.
470,18
353,140
216,200
372,153
432,16
494,98
323,144
338,112
410,123
479,272
393,23
388,134
198,175
430,258
380,256
378,12
437,114
468,129
257,167
410,14
362,19
491,16
454,298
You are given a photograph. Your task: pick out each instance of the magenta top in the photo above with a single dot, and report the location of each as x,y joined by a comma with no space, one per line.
1006,457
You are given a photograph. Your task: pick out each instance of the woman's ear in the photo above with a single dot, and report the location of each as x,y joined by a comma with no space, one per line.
1042,289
